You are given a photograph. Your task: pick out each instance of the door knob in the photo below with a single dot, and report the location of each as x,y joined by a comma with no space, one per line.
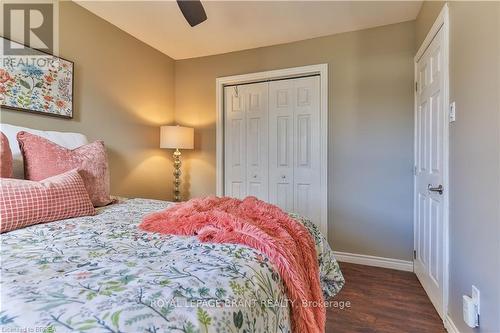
283,177
439,189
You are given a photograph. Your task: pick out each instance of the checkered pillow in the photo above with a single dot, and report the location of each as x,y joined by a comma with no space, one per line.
25,202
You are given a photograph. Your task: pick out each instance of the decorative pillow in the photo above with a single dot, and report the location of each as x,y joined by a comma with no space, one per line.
66,139
5,157
24,202
43,158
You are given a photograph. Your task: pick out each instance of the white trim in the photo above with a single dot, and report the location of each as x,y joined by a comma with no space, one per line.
322,70
442,21
363,259
450,325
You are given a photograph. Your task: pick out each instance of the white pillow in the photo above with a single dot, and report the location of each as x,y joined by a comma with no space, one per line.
65,139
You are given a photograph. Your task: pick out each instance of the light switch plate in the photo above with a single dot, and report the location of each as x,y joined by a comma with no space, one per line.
453,115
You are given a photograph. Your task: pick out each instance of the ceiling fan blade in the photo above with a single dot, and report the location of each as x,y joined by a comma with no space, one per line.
193,11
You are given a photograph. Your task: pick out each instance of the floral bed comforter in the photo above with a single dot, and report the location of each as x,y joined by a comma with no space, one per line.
103,274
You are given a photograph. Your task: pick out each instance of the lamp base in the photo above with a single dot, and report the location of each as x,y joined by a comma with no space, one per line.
177,174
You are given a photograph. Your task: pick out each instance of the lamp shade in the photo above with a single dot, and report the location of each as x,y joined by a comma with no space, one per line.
176,137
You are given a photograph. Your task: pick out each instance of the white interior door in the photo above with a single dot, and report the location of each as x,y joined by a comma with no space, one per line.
246,143
257,143
281,132
294,141
430,195
235,143
272,140
307,158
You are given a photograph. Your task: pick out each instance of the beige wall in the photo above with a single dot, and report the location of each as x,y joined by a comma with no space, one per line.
370,128
475,160
123,92
474,157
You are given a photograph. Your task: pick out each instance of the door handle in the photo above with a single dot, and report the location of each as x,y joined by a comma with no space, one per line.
439,189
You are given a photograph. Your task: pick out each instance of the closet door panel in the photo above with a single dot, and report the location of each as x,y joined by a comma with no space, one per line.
281,128
234,144
272,140
257,145
306,158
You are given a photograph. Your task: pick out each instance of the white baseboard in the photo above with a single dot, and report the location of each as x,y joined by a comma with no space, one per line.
363,259
450,325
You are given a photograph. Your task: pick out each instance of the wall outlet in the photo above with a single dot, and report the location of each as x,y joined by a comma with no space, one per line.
471,308
453,115
470,315
476,298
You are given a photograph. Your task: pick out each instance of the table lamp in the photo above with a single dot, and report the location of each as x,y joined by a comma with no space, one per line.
177,137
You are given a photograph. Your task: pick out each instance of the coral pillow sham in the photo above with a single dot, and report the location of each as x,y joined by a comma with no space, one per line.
24,202
5,157
43,158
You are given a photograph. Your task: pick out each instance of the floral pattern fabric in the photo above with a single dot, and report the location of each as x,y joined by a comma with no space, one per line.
102,274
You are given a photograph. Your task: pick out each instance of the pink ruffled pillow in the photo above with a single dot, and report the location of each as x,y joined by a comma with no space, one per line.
24,202
43,158
5,157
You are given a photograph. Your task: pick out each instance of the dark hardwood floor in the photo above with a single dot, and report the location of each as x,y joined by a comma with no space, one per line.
382,300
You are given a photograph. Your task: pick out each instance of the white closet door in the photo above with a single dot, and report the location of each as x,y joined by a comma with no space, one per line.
246,141
307,194
294,136
281,129
272,144
234,144
257,145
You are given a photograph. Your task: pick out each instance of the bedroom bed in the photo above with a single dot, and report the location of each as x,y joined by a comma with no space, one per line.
102,274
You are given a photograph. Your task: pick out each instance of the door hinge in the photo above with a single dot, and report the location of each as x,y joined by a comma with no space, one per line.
416,86
414,170
414,254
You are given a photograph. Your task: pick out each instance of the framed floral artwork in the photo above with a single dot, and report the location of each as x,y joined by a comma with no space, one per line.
39,83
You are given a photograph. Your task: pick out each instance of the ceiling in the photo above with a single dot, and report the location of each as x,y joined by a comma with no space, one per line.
240,25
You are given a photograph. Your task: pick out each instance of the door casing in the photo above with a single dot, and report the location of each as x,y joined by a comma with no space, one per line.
286,73
442,22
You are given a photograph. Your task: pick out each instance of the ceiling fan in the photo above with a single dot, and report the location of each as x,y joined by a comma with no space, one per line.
193,11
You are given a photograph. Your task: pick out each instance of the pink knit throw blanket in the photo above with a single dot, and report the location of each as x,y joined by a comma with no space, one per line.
264,227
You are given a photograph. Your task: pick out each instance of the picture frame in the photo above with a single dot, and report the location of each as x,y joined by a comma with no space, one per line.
38,83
